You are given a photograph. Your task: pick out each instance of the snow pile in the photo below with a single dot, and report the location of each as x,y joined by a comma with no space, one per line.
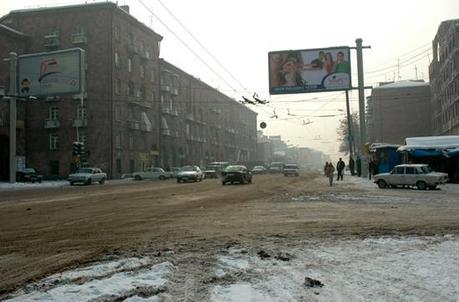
384,269
6,186
108,281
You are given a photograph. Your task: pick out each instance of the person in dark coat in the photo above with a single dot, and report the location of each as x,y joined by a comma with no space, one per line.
325,168
359,166
340,165
352,166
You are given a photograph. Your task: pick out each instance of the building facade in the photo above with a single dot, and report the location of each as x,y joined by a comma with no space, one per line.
399,110
122,118
199,124
444,79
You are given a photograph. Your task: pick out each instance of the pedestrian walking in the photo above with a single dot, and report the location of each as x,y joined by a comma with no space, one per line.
329,172
340,165
352,166
325,168
359,166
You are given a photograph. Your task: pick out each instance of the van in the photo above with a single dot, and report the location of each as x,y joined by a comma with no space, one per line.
276,167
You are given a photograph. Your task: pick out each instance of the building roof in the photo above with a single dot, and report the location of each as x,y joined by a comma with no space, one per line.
447,145
404,84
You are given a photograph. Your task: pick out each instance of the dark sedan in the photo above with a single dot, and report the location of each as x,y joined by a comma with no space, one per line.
236,173
28,174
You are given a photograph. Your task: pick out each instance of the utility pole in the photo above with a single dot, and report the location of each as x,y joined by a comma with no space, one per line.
13,115
361,86
349,125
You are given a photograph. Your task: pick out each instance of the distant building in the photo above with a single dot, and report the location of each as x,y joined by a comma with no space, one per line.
444,79
399,110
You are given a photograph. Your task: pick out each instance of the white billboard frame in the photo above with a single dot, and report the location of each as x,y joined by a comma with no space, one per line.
53,73
309,70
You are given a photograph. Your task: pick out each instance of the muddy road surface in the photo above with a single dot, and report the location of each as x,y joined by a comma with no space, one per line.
47,230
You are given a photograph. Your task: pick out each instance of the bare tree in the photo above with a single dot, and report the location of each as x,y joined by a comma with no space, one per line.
343,134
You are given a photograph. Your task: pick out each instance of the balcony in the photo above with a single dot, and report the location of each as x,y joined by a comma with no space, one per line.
166,110
165,88
133,100
52,41
80,123
79,38
50,124
174,91
145,128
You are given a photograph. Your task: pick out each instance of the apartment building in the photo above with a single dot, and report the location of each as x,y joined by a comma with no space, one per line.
137,110
444,79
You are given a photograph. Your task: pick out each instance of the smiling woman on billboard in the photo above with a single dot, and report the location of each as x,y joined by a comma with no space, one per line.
288,72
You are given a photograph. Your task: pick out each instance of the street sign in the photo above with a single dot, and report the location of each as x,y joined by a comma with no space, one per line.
51,73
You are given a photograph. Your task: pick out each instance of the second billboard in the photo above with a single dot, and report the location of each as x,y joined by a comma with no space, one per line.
310,70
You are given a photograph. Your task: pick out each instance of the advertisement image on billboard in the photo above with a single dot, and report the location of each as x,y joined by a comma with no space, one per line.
50,73
310,70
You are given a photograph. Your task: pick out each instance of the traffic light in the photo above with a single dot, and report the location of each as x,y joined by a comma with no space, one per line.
77,149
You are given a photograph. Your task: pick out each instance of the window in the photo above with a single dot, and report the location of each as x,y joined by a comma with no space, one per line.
153,76
117,113
131,142
118,165
399,170
411,170
53,113
142,92
118,141
116,32
118,86
141,71
117,60
53,141
130,88
129,65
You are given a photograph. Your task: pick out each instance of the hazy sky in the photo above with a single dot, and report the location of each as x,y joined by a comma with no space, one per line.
239,34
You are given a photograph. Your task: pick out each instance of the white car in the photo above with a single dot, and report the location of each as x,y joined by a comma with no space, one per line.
419,175
151,173
291,169
87,176
188,173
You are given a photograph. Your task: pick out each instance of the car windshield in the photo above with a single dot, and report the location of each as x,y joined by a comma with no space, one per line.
426,169
84,171
291,167
233,168
188,168
29,170
259,168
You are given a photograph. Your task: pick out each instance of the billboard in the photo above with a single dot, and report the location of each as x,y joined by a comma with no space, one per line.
51,73
309,70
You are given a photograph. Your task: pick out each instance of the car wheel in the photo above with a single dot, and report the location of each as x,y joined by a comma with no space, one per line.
178,180
250,180
88,182
72,183
102,181
137,177
223,183
421,185
382,184
162,177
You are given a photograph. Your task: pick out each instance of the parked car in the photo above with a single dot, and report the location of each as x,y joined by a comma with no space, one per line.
218,166
259,170
151,173
173,172
236,173
276,167
28,174
87,176
209,173
291,170
407,175
190,173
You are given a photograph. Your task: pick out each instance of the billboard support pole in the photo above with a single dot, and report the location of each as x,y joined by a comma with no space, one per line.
349,124
13,116
363,137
